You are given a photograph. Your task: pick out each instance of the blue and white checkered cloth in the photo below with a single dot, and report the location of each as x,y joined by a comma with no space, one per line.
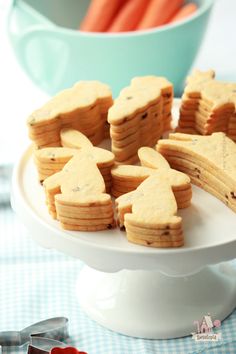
37,283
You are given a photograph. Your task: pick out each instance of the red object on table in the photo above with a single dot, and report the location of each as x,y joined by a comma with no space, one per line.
66,350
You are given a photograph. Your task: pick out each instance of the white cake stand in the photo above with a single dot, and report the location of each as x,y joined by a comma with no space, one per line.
136,290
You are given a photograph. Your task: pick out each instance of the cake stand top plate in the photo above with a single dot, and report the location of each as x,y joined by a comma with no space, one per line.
209,229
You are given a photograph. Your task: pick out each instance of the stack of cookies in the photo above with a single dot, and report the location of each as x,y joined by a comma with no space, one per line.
126,178
167,93
179,182
148,214
208,160
104,159
83,107
189,106
51,160
76,196
136,117
207,105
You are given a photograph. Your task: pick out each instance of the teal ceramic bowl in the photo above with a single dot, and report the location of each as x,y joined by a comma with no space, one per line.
55,55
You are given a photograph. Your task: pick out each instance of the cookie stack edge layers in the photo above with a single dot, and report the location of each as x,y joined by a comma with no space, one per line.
83,107
208,160
139,116
76,196
208,106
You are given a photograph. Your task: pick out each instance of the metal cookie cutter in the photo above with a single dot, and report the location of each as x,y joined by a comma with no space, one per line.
42,345
51,330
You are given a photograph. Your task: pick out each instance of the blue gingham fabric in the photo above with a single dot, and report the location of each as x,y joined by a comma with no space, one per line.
37,283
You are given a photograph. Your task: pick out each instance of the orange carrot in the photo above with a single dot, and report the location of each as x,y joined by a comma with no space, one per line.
129,16
184,12
159,12
100,15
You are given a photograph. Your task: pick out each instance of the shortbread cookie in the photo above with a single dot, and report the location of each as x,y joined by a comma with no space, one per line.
141,228
149,214
139,116
83,107
149,158
51,160
208,160
200,76
105,159
203,178
86,228
207,105
102,158
75,191
167,92
127,178
74,139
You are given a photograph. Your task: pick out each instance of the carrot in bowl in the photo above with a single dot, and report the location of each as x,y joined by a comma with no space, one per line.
129,16
184,12
100,15
159,12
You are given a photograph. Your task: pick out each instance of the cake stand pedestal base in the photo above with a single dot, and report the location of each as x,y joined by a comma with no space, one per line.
149,304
